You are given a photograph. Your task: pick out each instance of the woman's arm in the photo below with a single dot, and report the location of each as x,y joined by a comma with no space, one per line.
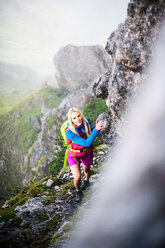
80,141
84,142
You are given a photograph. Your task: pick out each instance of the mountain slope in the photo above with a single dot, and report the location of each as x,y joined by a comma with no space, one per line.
19,129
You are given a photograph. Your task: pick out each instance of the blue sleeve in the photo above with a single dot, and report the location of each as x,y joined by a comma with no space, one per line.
80,141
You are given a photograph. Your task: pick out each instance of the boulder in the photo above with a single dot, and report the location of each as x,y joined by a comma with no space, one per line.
35,123
106,128
77,66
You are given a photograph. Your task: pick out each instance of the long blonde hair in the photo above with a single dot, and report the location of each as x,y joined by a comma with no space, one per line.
84,121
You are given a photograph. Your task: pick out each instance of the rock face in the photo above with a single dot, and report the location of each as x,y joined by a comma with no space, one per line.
107,126
130,47
35,123
77,66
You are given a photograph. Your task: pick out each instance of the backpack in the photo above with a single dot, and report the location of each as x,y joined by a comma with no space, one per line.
63,133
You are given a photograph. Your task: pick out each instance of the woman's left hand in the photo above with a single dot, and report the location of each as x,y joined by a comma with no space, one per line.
99,125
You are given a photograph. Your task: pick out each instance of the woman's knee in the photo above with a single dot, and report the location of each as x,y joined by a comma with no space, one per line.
76,172
77,177
86,169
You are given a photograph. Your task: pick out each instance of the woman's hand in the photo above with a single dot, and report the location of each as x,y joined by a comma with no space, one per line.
99,125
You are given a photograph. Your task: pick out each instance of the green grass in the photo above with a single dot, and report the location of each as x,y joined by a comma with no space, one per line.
29,107
94,108
50,95
7,102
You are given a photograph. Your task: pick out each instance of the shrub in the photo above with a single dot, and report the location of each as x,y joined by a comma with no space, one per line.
95,107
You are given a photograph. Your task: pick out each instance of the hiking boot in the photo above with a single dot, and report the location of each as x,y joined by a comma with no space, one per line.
85,184
78,195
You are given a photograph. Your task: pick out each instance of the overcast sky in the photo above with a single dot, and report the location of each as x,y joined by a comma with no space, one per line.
32,31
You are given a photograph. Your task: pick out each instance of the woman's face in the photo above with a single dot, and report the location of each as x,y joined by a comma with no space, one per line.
76,118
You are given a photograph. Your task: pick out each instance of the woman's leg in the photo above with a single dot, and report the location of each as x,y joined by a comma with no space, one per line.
75,169
87,172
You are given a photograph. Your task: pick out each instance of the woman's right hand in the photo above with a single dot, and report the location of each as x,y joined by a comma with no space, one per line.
99,125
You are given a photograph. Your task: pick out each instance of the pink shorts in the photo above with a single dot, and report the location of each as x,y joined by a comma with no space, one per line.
86,160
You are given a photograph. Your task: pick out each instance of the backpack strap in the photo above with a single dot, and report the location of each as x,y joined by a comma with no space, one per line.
66,154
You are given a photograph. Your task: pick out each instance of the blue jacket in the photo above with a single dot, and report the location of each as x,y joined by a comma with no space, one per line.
80,140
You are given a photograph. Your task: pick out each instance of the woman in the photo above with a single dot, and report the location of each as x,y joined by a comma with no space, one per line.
80,136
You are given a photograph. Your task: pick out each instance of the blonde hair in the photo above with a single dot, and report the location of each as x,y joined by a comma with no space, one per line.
84,121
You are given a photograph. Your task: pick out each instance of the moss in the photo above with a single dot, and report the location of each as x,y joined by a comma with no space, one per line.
55,220
50,199
26,225
64,191
34,191
66,187
94,171
25,232
26,167
7,214
43,216
55,238
44,179
38,166
57,164
19,199
42,242
62,172
50,123
17,220
69,185
67,227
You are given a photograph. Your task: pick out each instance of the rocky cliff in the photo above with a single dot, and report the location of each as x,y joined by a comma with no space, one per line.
130,47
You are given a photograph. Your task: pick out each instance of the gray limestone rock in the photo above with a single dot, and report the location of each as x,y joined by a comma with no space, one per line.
35,123
104,133
77,66
130,47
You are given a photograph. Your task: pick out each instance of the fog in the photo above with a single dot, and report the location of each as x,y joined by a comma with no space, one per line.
129,208
32,31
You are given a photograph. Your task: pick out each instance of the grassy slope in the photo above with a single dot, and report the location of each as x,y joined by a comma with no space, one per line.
29,107
7,102
16,134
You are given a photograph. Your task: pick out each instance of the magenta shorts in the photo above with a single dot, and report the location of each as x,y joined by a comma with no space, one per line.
86,160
